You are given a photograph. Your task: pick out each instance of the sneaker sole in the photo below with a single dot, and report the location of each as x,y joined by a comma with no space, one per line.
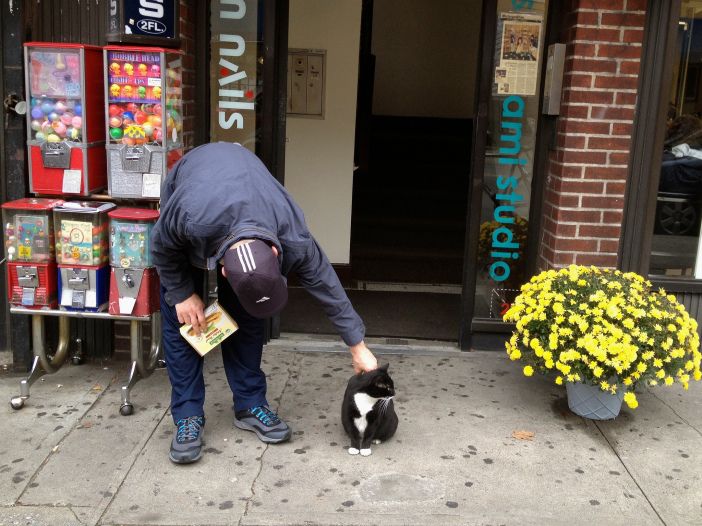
261,437
183,461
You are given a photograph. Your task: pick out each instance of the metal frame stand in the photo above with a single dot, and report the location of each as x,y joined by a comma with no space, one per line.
143,363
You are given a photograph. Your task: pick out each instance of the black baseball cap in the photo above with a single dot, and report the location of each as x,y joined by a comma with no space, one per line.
254,274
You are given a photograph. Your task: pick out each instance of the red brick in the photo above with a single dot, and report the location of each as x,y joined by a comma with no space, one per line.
571,141
623,19
611,112
579,216
633,36
563,258
599,260
636,5
609,143
615,203
615,188
629,67
600,231
589,96
602,5
572,172
609,245
577,245
598,34
618,158
582,50
618,51
587,18
605,172
620,128
582,187
616,82
590,128
591,65
575,111
583,157
578,80
547,253
625,99
610,216
560,229
569,201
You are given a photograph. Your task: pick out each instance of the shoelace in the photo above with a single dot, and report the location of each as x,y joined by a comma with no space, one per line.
189,428
266,415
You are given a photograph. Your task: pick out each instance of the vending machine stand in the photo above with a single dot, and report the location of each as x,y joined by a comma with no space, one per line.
144,360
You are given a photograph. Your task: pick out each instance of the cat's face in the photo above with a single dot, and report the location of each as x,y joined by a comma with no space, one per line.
379,384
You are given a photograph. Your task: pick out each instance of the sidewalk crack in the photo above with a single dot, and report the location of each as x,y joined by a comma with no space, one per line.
631,475
699,432
278,399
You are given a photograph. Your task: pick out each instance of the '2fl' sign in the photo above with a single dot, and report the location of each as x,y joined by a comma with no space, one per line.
144,17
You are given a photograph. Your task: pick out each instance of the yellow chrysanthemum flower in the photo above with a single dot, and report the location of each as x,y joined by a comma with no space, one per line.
528,370
630,399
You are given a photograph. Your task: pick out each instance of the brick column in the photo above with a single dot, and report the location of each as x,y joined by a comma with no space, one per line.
584,191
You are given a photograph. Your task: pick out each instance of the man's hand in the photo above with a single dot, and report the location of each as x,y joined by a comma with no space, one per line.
192,311
362,359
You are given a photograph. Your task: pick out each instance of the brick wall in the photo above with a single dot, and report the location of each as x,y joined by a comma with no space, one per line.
584,193
187,38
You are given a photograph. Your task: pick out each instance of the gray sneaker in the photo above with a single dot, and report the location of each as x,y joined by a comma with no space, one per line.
187,443
264,422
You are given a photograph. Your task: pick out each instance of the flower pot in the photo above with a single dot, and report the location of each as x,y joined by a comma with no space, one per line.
589,401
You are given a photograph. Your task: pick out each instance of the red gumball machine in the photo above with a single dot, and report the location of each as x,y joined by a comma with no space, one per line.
134,284
65,138
82,251
144,123
29,251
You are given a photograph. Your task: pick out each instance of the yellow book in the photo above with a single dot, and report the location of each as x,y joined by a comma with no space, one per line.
219,327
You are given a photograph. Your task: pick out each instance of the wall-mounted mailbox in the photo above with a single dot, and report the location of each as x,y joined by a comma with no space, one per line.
306,82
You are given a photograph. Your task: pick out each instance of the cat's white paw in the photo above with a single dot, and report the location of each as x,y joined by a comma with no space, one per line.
353,451
365,452
376,441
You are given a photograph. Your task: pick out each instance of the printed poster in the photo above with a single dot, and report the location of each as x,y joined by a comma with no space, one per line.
518,45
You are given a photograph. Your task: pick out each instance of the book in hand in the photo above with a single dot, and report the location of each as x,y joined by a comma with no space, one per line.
219,327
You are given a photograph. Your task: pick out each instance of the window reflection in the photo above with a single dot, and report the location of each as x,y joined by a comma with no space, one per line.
676,247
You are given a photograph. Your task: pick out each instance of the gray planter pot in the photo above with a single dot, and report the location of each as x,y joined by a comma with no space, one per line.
589,401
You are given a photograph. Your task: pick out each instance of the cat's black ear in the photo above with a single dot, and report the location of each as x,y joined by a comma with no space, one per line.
384,367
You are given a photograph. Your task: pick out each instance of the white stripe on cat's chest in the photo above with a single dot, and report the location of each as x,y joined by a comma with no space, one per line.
364,403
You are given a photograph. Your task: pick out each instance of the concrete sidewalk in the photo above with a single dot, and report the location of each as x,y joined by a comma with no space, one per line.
69,458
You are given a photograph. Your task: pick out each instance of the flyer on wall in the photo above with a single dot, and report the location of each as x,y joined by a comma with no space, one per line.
519,39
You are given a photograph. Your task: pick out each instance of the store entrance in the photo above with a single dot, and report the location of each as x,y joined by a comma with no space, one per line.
412,153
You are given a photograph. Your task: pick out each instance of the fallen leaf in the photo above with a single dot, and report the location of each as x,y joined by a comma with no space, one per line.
523,435
97,387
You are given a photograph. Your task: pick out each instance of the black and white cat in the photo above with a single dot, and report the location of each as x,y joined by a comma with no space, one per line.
367,412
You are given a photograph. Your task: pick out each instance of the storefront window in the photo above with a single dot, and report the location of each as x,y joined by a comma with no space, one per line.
235,70
509,163
676,250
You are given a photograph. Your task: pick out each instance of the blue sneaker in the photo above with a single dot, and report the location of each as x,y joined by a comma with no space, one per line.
263,421
186,446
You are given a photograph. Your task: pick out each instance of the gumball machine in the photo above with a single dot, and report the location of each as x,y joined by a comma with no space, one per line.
144,122
29,251
134,284
65,138
82,251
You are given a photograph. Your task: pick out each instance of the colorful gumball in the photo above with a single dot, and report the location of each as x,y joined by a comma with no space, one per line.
114,110
47,107
60,107
53,116
77,122
78,109
157,109
140,117
132,106
148,129
128,141
52,137
155,120
128,115
115,90
115,122
35,125
157,134
116,133
59,128
46,127
40,136
147,107
66,118
37,113
73,133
